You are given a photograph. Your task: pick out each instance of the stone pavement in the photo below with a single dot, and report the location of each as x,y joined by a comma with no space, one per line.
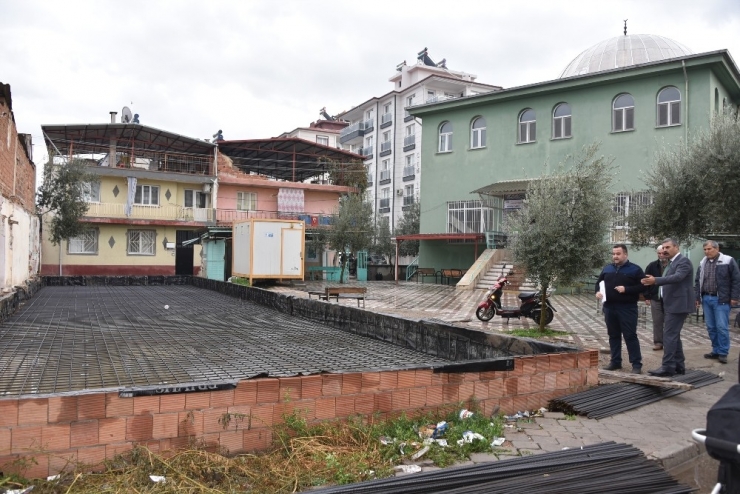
662,430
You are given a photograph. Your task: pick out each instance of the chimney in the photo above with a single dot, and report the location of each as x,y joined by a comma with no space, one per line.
113,116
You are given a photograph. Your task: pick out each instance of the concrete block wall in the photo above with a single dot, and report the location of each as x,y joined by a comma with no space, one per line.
59,431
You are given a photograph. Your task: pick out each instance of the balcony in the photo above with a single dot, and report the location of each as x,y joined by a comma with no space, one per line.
409,173
151,213
409,142
367,152
386,120
408,200
369,125
385,203
369,178
351,132
385,177
385,148
225,217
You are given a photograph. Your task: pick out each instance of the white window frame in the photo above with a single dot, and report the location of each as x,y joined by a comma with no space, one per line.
477,134
90,191
527,129
196,197
388,107
563,121
672,108
147,195
246,201
85,243
410,130
141,242
445,138
387,136
323,140
624,112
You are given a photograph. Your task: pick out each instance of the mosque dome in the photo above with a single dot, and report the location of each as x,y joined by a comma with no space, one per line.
624,51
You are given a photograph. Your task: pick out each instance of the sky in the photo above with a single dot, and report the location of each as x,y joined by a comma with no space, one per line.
258,68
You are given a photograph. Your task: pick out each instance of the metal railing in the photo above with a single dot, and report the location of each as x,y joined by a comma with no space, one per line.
408,200
412,268
366,151
369,123
409,140
370,178
385,203
385,146
408,171
352,128
229,216
385,118
385,175
163,212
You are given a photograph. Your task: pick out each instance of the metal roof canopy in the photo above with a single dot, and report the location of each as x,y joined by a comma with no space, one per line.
441,236
287,158
505,186
100,135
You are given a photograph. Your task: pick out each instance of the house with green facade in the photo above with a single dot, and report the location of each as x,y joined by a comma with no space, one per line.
633,94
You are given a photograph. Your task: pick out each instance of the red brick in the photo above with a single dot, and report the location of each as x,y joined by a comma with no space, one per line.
311,386
91,406
92,456
40,469
84,433
523,385
520,402
594,356
384,402
511,386
223,398
331,385
455,377
61,409
480,390
435,395
490,405
507,405
537,383
388,380
351,383
542,363
290,388
400,399
365,404
496,388
118,407
418,397
172,402
190,423
584,360
488,375
451,393
268,391
438,378
257,440
563,380
466,391
139,427
345,406
577,377
280,411
535,402
55,437
214,418
306,409
113,450
145,405
164,425
406,379
33,411
4,442
518,368
423,377
556,362
262,415
592,376
62,461
529,366
232,441
112,430
370,381
244,394
471,376
23,439
551,381
568,361
197,401
326,408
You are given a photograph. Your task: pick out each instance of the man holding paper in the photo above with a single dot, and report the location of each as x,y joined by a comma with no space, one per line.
619,288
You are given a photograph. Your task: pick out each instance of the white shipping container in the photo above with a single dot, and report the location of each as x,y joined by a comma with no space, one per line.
268,249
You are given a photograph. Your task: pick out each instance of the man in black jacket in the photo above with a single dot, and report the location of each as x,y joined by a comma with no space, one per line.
622,289
653,298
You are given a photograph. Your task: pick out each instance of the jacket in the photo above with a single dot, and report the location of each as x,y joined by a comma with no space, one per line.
627,275
728,279
678,292
653,269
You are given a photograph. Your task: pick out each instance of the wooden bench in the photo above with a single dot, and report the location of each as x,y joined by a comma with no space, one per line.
425,272
451,274
337,292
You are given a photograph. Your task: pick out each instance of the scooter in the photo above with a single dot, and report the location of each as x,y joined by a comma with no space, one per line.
531,305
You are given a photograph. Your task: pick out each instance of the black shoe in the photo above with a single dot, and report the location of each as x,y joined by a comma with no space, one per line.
662,372
636,370
612,367
722,359
681,371
711,355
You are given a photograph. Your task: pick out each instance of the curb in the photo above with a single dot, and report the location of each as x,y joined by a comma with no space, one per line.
677,455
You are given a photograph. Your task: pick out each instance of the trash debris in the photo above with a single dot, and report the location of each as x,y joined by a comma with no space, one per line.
426,431
542,410
442,442
385,441
400,448
420,453
465,414
51,478
158,478
166,306
20,491
469,437
498,441
440,430
407,468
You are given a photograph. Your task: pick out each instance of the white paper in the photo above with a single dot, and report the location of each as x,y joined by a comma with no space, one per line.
602,289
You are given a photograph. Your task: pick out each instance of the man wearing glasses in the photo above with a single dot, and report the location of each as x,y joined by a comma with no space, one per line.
653,297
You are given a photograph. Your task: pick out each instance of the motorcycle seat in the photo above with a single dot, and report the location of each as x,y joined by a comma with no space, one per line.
526,295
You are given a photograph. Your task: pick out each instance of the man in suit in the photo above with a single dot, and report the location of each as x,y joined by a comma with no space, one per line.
677,291
652,297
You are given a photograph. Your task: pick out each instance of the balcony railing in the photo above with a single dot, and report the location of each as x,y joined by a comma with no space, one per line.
385,175
408,200
409,140
408,171
164,212
386,118
385,203
229,216
385,146
369,124
352,128
367,151
369,178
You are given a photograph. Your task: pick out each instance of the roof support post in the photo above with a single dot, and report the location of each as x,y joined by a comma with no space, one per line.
294,162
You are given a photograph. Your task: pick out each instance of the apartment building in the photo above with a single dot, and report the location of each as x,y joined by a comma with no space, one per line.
389,138
324,131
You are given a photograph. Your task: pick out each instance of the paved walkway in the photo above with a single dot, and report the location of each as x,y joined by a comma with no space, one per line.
662,430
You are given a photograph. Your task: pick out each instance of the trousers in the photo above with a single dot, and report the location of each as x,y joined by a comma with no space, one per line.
621,322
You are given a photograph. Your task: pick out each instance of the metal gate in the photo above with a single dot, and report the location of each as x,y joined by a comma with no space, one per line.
184,254
362,265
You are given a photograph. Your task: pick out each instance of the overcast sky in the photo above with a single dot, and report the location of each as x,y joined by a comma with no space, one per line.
259,68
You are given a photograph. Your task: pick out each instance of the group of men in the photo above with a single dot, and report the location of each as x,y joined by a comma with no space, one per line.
672,291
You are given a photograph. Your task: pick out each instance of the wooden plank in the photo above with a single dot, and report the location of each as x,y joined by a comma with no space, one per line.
663,382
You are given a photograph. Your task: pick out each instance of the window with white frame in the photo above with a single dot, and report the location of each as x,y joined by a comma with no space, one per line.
387,136
84,243
625,204
410,130
385,197
141,242
431,96
387,108
90,191
195,198
669,107
147,195
478,133
561,127
445,137
246,201
623,113
322,140
527,126
474,216
408,168
408,194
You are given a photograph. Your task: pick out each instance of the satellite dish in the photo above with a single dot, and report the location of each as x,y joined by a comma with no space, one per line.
126,115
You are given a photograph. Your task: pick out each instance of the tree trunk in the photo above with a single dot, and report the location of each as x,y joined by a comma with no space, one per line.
543,305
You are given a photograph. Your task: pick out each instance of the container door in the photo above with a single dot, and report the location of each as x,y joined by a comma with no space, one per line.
215,259
362,265
292,255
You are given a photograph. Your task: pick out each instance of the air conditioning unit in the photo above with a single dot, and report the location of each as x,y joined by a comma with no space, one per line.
399,192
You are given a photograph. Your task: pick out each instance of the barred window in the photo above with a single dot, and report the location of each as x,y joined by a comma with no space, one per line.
85,243
141,242
626,203
474,216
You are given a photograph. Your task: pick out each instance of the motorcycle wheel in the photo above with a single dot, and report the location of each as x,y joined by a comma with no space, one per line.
485,314
549,316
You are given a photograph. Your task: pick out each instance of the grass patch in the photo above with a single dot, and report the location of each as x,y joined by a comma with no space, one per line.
239,281
536,333
302,455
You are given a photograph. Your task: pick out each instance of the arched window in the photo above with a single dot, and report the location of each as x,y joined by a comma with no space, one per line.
623,113
478,133
527,125
561,121
669,107
445,137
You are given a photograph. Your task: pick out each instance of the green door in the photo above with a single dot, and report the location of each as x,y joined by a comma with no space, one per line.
215,259
362,265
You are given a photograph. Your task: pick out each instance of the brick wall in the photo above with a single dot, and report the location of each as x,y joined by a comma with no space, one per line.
14,161
92,427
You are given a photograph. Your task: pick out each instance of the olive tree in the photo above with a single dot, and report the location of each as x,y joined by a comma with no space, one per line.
561,232
383,243
408,225
352,229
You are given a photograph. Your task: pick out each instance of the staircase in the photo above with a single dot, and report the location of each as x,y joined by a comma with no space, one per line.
518,281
